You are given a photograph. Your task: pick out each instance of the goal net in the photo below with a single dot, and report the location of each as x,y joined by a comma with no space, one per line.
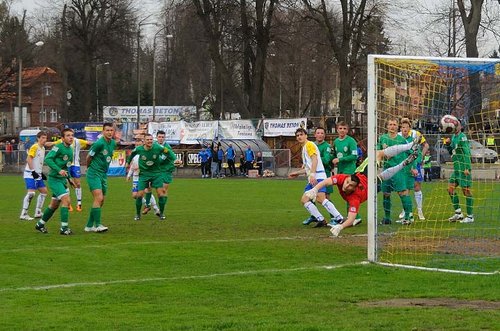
423,90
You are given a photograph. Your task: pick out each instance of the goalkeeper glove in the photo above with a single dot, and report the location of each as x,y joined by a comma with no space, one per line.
311,194
35,174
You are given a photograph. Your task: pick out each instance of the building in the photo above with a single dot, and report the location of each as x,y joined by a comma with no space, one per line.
42,94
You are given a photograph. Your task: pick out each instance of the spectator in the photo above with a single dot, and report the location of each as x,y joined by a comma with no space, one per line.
204,156
214,151
242,165
8,152
21,147
259,162
250,158
231,156
220,158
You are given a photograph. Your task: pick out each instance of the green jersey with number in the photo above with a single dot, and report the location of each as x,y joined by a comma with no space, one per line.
460,152
102,154
346,150
59,158
385,141
149,159
325,151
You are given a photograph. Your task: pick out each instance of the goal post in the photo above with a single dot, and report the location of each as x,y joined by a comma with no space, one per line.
424,89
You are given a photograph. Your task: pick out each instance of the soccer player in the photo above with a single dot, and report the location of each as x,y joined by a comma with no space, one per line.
74,169
399,182
150,155
231,156
458,146
313,168
59,160
33,177
354,189
167,163
346,154
325,152
98,160
415,182
134,174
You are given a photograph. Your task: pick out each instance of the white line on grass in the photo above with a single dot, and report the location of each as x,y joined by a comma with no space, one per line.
164,242
163,279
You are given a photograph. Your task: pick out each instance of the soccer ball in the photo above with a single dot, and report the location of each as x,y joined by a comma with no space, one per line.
449,123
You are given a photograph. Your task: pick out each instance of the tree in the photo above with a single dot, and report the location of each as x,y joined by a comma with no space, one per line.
345,32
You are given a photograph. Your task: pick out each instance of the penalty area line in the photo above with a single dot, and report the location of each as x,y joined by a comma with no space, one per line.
164,279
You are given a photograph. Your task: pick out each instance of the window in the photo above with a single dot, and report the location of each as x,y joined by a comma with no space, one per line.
53,115
47,90
43,115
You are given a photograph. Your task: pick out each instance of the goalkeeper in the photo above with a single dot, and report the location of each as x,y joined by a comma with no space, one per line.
354,188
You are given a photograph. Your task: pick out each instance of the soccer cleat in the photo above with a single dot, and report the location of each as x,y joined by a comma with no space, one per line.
65,231
357,221
336,220
137,218
402,215
421,215
468,219
157,212
335,230
101,228
320,224
407,222
26,217
41,228
162,217
385,221
91,229
456,217
79,208
146,210
310,220
70,208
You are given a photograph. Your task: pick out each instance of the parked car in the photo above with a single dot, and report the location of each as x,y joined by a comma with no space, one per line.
478,153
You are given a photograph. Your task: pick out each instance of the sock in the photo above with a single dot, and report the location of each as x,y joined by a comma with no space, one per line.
162,201
407,205
313,210
47,214
78,192
138,206
396,149
469,202
64,217
148,199
331,208
39,202
27,201
418,198
387,207
388,173
455,202
90,220
97,216
153,202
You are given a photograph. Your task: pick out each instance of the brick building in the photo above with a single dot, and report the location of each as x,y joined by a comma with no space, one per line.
42,94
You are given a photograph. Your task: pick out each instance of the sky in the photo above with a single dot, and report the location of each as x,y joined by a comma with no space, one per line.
407,36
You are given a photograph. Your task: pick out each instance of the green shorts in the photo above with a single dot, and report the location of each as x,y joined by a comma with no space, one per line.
167,177
410,182
459,178
155,180
97,182
397,183
58,187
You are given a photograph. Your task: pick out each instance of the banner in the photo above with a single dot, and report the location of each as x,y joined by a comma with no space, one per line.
117,165
162,113
92,133
283,127
196,132
173,131
237,129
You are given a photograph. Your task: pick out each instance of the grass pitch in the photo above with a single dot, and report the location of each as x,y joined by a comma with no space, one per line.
232,255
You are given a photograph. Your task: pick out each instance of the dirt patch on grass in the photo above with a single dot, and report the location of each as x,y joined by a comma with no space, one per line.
435,302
